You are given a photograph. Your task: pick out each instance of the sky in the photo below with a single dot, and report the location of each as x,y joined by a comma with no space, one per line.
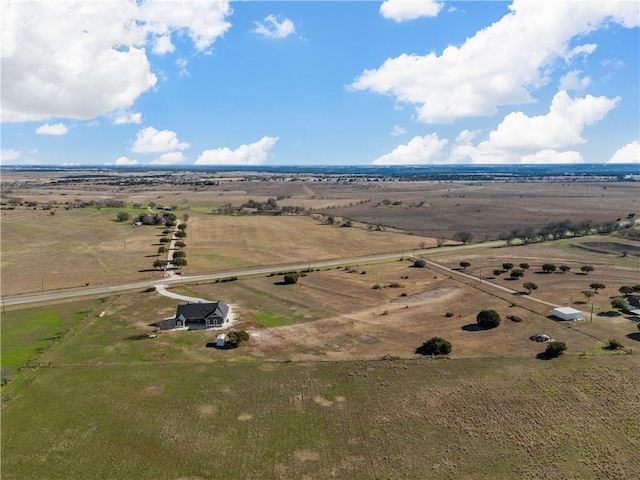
395,82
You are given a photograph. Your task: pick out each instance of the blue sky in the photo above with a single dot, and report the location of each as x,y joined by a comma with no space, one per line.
320,83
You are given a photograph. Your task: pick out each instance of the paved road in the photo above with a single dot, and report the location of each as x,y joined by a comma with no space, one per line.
53,297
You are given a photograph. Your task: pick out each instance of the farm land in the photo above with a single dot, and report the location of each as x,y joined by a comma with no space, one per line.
329,384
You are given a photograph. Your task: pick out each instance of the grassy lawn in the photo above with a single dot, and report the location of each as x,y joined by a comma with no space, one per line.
495,418
27,333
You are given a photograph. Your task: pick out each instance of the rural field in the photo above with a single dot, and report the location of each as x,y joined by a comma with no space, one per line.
329,384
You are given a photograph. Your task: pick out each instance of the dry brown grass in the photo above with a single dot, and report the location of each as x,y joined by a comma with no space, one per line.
224,242
71,249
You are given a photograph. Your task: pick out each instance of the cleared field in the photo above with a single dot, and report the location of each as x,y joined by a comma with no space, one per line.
487,209
42,252
506,418
224,242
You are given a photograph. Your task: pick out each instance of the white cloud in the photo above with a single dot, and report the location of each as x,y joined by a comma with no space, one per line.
10,155
271,27
499,65
163,45
169,158
552,156
561,127
523,139
630,153
125,161
403,10
182,63
74,60
419,151
572,81
203,20
56,129
150,140
124,117
81,59
250,154
397,131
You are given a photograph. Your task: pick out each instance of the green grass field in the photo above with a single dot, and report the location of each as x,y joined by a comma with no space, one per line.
572,417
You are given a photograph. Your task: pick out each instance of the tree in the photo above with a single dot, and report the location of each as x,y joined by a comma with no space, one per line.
498,272
290,278
236,337
488,319
179,262
613,344
586,269
507,266
516,273
164,240
619,303
123,216
524,266
162,249
179,254
464,237
464,265
626,290
588,293
159,264
555,349
548,268
181,234
182,226
597,286
435,346
420,263
564,268
530,287
331,220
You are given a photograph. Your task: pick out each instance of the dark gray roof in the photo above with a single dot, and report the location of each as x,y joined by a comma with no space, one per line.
193,311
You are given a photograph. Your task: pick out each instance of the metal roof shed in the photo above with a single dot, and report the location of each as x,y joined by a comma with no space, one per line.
567,313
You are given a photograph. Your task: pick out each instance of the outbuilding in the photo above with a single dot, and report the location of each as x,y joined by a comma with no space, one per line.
567,313
221,340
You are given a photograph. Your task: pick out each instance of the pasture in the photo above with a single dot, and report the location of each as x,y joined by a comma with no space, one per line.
329,384
516,418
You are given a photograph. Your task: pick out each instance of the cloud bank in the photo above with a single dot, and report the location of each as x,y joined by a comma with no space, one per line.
250,154
499,65
92,60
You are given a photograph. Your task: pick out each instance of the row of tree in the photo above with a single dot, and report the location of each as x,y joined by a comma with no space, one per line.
564,229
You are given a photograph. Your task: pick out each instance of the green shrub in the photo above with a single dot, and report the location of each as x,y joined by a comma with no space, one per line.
488,319
555,349
420,263
290,278
435,346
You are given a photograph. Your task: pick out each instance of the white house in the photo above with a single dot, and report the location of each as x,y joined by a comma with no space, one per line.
567,313
221,340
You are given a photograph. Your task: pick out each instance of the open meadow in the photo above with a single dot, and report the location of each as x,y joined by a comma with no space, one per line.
329,384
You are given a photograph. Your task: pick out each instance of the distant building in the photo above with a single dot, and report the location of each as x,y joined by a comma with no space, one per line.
200,315
567,313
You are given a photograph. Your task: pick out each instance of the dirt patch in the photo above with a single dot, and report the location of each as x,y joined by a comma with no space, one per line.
306,456
154,390
614,248
207,410
322,401
245,417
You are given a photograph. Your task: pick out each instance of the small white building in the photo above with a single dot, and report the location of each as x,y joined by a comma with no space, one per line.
567,313
221,340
